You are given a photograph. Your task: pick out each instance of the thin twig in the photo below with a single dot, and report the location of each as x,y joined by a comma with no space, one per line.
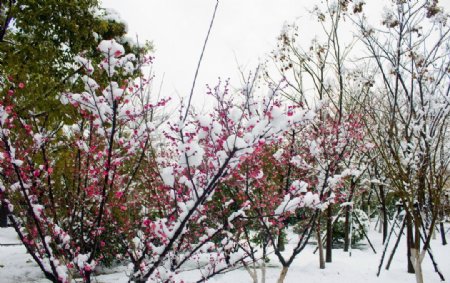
200,61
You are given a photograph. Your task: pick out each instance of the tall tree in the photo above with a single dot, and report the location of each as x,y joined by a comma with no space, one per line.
39,40
322,73
38,43
410,106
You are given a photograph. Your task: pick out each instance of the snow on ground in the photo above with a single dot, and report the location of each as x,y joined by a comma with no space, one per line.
361,266
15,264
8,236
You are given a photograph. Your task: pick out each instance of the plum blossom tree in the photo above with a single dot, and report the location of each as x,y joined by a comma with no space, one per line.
324,71
68,201
67,208
209,149
290,181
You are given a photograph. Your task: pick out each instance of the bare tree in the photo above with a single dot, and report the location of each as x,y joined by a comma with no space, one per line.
410,110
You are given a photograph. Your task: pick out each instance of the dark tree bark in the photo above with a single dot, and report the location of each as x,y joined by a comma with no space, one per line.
328,252
409,241
320,246
347,229
384,213
3,216
442,229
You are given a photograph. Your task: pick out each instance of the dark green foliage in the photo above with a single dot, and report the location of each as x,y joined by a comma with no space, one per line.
40,40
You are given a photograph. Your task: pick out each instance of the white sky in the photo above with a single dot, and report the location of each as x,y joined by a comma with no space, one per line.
243,33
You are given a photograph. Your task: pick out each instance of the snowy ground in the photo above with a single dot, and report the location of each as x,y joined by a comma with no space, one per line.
361,266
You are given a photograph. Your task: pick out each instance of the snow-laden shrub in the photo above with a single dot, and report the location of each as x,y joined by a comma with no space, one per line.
358,227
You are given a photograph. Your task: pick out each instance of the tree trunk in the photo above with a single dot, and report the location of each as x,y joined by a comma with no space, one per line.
264,257
263,271
348,221
416,258
320,246
409,241
347,228
283,274
351,233
442,229
3,216
329,234
280,243
252,273
380,222
384,213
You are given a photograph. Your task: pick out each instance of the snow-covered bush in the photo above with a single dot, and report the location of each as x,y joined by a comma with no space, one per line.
68,190
358,228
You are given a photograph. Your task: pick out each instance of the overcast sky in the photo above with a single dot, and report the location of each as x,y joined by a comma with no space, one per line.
244,32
